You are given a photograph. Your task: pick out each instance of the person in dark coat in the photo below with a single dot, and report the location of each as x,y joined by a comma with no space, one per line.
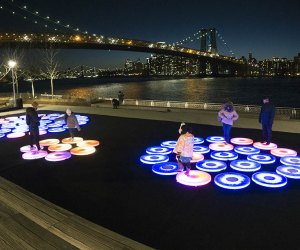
33,121
266,118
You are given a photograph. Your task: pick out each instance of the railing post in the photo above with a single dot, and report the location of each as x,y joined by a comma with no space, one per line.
137,102
205,106
186,105
168,104
152,104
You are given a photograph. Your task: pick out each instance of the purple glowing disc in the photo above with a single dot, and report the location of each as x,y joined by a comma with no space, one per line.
58,156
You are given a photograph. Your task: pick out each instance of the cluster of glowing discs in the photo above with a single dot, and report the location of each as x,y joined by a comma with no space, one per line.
269,179
195,178
280,152
159,150
165,168
211,166
245,165
215,139
241,141
264,146
289,171
290,160
220,146
262,158
154,158
232,180
224,155
246,150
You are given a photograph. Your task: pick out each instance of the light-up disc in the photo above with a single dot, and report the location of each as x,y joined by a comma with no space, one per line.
56,130
215,139
83,150
27,148
260,145
60,147
41,132
195,178
280,152
269,179
152,159
17,130
245,165
2,135
91,143
34,155
198,140
5,130
70,140
197,157
201,149
290,160
159,150
169,144
224,155
9,126
165,168
262,158
54,125
211,165
232,180
12,118
220,146
292,172
246,150
49,142
58,156
241,141
15,135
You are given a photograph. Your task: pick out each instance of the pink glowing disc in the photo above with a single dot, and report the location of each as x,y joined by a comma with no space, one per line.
58,156
15,135
27,148
60,147
83,150
264,146
241,141
281,152
92,143
34,155
49,142
70,140
220,146
195,178
197,157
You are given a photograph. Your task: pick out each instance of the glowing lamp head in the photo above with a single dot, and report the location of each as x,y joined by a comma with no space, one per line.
12,64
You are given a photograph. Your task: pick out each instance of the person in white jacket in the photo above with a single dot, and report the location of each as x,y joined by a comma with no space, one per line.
227,116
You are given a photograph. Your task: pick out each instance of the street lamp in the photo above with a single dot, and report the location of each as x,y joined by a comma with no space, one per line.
12,64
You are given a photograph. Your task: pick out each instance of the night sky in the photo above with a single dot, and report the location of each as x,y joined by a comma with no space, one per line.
265,28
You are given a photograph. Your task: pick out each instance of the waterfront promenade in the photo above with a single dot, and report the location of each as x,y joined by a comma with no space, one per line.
113,190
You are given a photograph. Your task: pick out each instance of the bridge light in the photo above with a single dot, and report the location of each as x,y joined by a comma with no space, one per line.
47,17
24,7
77,38
36,12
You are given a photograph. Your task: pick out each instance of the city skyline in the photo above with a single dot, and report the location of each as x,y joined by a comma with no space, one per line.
264,28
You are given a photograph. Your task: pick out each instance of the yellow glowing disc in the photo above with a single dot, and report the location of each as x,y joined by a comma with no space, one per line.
83,150
70,140
49,142
91,143
60,147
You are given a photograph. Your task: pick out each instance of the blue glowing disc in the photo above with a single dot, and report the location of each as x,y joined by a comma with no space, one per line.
246,150
159,150
224,155
56,130
232,180
165,168
8,126
16,130
211,165
2,135
5,130
262,158
292,172
201,149
45,121
198,140
54,125
245,166
215,139
82,122
269,179
290,160
168,144
152,159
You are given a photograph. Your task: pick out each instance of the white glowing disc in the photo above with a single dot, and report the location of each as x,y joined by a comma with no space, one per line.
215,139
83,150
269,179
280,152
241,141
264,146
60,147
195,178
290,160
49,142
197,157
292,172
58,156
70,140
34,155
27,148
91,143
15,135
220,146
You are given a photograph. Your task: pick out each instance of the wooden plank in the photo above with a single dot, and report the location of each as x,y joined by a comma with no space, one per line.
6,211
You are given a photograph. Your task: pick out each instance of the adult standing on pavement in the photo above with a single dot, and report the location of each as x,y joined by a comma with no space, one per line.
121,97
266,118
33,121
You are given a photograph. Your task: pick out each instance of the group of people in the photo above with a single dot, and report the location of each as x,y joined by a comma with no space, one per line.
227,115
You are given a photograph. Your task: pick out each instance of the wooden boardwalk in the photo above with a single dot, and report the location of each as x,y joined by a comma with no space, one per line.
30,222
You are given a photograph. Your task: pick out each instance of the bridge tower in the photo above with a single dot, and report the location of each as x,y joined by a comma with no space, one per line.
208,42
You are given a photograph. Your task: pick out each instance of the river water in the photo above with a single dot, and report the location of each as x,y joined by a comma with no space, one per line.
284,92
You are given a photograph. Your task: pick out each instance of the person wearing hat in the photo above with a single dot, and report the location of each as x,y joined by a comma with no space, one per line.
266,118
33,122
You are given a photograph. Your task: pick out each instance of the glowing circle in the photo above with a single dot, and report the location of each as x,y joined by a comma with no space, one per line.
58,156
262,158
5,130
197,157
152,159
211,166
292,172
12,118
15,135
280,152
195,178
290,160
70,140
169,144
269,179
260,145
54,125
246,150
165,168
232,180
198,140
91,143
56,130
220,146
159,150
215,139
32,155
241,141
201,149
49,142
224,155
83,150
59,147
245,166
2,135
27,148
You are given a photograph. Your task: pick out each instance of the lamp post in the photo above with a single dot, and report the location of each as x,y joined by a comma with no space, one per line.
12,64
